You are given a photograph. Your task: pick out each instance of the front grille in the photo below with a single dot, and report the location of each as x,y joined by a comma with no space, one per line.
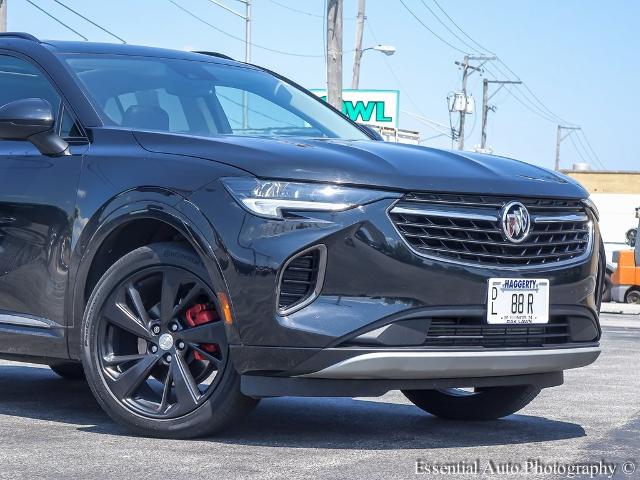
467,228
466,332
301,279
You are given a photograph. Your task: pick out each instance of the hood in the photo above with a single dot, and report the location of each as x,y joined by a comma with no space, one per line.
369,163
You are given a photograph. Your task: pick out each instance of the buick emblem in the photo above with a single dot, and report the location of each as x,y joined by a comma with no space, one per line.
165,341
516,222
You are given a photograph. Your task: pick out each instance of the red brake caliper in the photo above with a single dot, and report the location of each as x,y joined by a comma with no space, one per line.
197,315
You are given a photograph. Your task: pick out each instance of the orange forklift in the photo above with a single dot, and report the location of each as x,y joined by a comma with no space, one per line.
625,281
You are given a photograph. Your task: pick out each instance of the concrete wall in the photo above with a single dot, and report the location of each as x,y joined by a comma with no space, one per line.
608,182
616,194
617,214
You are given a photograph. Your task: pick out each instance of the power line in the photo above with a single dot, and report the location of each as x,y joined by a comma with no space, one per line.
89,20
390,68
530,105
534,104
431,31
548,114
586,139
301,12
541,106
219,30
438,127
527,97
461,30
433,137
575,146
449,29
591,154
557,117
58,21
595,158
304,12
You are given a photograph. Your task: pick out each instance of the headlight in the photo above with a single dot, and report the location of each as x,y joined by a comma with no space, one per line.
592,206
271,198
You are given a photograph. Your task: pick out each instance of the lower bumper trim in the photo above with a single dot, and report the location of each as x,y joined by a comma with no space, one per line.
456,364
258,386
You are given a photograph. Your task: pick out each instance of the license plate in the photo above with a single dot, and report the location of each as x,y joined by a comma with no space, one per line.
518,301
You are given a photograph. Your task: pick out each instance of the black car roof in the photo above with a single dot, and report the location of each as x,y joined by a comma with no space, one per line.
58,46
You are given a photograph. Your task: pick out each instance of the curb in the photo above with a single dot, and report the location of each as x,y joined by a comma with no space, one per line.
620,308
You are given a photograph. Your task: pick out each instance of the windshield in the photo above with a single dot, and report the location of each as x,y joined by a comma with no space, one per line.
203,98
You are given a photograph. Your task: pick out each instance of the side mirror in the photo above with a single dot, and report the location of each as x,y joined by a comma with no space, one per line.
373,132
32,119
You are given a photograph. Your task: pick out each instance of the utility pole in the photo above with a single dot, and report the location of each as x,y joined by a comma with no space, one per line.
485,104
3,15
467,70
463,111
247,31
559,138
358,54
247,49
247,24
247,59
334,53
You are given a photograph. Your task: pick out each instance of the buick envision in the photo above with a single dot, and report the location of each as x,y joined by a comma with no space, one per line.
193,233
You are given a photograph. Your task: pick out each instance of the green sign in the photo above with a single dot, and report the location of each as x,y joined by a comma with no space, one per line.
373,107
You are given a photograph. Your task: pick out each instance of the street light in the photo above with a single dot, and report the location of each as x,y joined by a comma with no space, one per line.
386,49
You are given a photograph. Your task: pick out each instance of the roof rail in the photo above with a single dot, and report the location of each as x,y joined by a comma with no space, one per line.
215,54
24,36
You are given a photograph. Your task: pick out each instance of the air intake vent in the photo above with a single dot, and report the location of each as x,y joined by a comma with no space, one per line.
467,332
301,279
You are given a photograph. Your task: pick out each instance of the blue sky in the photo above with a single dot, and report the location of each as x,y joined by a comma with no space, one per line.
577,56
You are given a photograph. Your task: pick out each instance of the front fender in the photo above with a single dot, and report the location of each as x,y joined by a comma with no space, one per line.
142,203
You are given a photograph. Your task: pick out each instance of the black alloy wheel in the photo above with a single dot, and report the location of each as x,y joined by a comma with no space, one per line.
153,361
156,346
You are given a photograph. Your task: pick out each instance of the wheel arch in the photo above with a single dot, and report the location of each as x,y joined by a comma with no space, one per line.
125,227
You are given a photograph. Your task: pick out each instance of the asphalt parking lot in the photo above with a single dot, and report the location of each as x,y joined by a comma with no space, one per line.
52,428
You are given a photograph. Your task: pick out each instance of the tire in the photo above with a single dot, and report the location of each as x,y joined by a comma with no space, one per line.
68,370
606,290
159,393
603,282
632,296
483,404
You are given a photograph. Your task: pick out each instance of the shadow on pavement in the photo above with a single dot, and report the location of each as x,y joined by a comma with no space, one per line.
332,423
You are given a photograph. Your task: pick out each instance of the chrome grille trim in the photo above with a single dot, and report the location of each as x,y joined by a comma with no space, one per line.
446,213
560,218
465,229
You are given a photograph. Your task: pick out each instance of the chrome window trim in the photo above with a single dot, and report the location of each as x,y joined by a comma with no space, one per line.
322,267
545,266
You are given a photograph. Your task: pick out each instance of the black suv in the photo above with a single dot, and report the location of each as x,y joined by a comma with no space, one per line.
193,233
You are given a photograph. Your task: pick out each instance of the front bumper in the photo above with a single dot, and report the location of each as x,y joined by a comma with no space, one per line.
373,279
375,372
263,386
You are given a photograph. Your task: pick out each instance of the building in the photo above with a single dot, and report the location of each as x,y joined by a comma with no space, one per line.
617,195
